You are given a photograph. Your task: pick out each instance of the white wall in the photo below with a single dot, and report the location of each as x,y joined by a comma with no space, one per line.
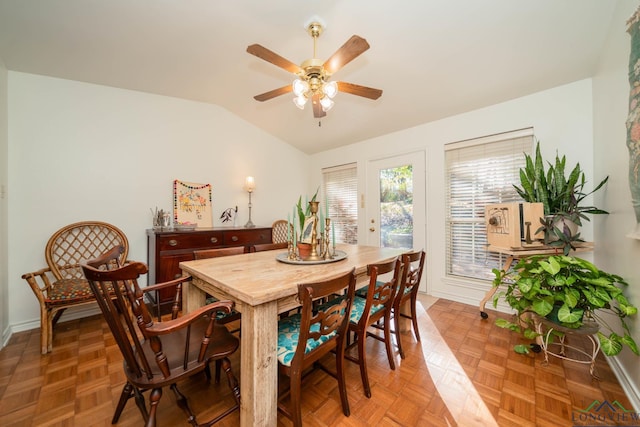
561,118
4,281
85,152
615,252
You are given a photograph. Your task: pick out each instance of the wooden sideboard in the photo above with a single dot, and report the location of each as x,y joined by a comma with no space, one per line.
167,247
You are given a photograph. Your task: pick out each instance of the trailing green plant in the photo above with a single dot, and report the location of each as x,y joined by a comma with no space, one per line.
303,213
562,197
579,289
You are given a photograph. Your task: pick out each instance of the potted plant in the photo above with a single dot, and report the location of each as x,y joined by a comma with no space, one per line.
304,212
304,249
562,198
577,290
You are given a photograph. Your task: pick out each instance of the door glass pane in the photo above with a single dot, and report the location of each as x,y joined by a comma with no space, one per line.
396,207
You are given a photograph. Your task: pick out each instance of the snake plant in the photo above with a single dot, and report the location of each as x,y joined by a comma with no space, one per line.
561,196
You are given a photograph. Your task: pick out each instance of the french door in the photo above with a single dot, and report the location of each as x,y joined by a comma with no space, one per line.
395,205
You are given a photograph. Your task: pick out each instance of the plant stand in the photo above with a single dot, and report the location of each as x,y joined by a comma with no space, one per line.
514,254
546,328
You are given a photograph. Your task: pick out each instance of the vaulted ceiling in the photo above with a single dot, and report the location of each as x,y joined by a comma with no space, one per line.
432,58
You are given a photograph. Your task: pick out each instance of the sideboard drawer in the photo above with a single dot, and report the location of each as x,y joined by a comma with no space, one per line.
190,240
246,237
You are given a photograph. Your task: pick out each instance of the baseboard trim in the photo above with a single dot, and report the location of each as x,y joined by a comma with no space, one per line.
69,314
629,388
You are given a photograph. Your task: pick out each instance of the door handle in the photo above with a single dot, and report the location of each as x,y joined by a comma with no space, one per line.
372,229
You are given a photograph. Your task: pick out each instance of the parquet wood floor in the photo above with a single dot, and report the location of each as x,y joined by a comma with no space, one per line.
463,373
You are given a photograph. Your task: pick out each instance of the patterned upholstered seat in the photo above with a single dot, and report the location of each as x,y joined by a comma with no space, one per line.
288,335
65,290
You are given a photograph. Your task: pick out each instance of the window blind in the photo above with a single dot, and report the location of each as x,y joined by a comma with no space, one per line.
479,172
340,187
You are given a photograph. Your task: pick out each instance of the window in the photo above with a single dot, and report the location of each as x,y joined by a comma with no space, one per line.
479,172
340,185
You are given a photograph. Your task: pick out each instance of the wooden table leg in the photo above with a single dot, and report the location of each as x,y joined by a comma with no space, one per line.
259,366
491,292
193,297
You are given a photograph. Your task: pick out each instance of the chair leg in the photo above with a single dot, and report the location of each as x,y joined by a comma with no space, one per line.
139,398
294,396
217,377
184,405
342,384
362,361
45,322
232,380
396,325
207,372
154,399
414,316
127,392
387,341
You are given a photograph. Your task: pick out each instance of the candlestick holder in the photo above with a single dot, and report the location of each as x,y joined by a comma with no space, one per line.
249,186
291,251
313,207
326,253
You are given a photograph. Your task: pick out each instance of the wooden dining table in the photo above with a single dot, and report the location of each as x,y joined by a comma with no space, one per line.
263,287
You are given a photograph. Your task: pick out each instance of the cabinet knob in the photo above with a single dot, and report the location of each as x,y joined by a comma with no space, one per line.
177,276
214,240
234,238
173,242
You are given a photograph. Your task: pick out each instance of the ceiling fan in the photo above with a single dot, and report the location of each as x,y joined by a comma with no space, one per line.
314,74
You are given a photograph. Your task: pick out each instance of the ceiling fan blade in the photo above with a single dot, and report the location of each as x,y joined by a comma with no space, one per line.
347,52
273,93
270,56
367,92
318,112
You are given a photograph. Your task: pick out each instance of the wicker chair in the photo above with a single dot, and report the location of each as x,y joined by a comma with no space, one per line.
62,285
279,231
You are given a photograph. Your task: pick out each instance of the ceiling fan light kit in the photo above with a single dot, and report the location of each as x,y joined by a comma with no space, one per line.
312,81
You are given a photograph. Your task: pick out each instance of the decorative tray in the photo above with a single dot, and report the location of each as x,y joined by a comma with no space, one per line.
283,257
185,226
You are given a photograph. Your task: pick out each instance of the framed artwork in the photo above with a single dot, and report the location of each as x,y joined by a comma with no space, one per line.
192,203
307,230
633,119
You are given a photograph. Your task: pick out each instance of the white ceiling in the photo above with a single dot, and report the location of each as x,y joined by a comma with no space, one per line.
432,58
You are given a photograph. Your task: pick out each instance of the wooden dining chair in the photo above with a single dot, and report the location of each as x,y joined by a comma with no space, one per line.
268,247
412,268
375,308
306,337
223,318
61,284
159,354
218,252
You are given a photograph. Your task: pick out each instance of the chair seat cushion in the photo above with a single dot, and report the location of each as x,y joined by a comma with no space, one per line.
220,315
67,291
362,292
288,335
357,307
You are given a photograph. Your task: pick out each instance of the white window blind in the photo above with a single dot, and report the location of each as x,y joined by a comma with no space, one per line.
479,172
340,185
